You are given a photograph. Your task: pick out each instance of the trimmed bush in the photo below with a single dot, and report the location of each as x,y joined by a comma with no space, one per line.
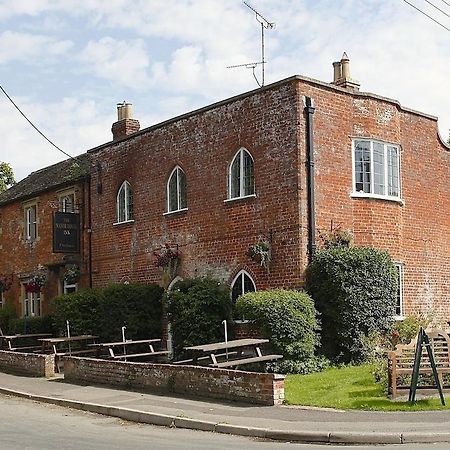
31,325
103,312
355,291
288,320
196,308
7,316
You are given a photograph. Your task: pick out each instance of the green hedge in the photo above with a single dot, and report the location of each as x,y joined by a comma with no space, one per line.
103,312
289,320
196,308
355,291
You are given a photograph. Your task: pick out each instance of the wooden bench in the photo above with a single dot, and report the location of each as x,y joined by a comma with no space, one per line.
243,361
139,349
204,358
139,355
401,362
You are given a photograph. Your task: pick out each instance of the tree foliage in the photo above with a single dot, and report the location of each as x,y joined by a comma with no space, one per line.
103,312
289,320
196,308
6,176
355,291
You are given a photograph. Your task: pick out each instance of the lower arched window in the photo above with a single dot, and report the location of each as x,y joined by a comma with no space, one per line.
241,284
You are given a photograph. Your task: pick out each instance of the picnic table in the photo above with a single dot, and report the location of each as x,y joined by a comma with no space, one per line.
68,346
232,353
22,342
118,350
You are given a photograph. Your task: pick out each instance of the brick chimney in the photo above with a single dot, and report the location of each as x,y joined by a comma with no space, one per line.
125,125
342,77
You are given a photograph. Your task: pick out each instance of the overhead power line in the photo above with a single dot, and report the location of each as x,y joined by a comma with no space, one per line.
447,3
34,126
436,7
425,14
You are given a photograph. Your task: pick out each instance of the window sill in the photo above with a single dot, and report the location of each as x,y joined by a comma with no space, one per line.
168,213
377,197
125,222
239,198
399,318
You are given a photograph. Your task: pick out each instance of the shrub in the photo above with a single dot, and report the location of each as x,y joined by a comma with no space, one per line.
196,308
405,330
32,325
355,291
136,306
288,319
7,315
103,312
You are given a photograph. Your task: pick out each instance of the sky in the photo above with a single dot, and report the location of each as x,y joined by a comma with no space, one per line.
67,63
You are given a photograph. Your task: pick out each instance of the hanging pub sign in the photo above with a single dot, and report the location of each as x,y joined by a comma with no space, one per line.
66,232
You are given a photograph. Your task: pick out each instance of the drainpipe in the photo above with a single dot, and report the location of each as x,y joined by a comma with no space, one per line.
89,233
309,111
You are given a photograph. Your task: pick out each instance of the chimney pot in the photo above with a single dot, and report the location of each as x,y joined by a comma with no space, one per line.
125,124
337,71
342,74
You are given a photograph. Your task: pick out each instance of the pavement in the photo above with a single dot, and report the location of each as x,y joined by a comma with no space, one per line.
285,423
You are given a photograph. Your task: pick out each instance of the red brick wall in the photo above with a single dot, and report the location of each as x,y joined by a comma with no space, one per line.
417,233
213,236
21,258
251,387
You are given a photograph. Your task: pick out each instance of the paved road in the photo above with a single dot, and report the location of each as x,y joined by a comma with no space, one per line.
28,425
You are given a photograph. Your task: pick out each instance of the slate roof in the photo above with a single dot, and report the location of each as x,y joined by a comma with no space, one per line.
51,177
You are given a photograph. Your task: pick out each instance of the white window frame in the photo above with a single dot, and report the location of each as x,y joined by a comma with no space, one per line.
29,224
69,288
32,304
128,203
371,194
240,154
400,269
241,273
66,198
175,172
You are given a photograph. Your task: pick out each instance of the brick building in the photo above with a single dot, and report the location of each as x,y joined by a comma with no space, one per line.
26,235
277,165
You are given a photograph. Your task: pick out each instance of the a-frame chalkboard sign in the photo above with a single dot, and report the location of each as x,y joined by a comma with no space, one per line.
423,339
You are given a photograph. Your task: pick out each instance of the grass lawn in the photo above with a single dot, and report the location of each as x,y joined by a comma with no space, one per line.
348,388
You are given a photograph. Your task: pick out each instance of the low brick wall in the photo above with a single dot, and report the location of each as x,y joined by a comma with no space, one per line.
27,363
260,388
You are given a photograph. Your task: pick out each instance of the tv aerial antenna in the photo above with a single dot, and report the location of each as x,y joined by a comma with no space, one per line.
265,25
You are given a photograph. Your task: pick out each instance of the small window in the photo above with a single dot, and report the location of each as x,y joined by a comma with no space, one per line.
376,170
31,222
176,191
32,304
399,311
69,288
241,284
67,202
241,178
125,203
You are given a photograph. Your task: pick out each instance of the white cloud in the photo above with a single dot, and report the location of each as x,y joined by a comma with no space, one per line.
172,56
122,62
30,48
73,125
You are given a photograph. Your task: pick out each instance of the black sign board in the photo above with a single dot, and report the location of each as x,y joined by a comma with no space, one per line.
66,232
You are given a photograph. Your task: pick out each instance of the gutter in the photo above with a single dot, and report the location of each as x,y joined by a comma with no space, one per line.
309,111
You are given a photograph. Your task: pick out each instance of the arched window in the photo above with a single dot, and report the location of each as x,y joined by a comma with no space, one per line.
125,203
241,284
176,190
241,178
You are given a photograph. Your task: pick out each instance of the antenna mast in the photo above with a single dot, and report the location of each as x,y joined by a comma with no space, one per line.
265,25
